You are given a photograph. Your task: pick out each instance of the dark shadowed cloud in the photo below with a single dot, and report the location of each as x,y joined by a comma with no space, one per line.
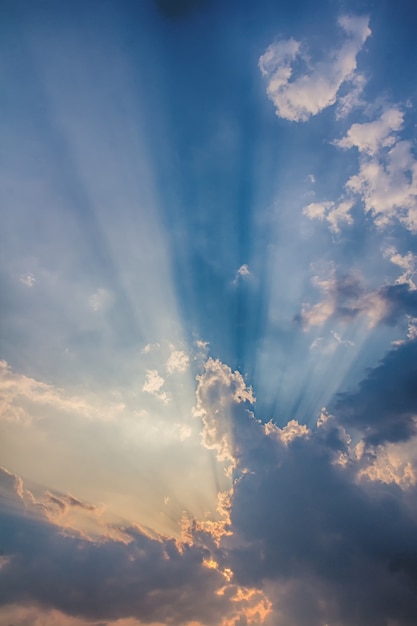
384,408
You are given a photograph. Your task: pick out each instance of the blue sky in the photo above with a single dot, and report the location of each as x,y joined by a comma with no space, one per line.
208,331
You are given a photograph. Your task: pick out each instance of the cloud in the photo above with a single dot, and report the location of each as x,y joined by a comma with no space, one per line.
151,580
178,361
325,531
346,299
407,262
371,137
384,407
28,279
316,529
336,214
153,384
298,97
219,392
386,180
100,299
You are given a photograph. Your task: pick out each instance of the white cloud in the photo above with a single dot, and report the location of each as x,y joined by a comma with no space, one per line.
408,263
178,361
387,186
370,137
298,98
386,180
153,384
334,214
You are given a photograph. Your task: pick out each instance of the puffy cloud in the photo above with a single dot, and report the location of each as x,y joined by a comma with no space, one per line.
153,384
178,361
370,137
221,398
386,180
387,186
298,97
336,214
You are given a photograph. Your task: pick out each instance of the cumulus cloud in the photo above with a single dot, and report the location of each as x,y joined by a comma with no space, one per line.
297,96
178,361
370,137
385,183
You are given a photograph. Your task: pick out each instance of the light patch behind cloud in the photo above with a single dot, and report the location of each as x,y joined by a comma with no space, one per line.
27,279
298,98
100,299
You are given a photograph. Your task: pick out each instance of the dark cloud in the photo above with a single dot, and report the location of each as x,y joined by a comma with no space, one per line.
400,300
334,551
328,547
148,579
384,408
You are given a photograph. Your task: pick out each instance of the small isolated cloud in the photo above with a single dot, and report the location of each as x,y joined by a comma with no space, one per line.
298,97
335,214
178,361
408,263
153,384
27,279
242,273
150,347
331,343
99,299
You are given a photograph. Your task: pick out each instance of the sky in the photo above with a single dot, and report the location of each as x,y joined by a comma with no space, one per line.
208,304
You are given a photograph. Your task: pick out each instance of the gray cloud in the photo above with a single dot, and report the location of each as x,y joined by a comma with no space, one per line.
384,407
333,551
